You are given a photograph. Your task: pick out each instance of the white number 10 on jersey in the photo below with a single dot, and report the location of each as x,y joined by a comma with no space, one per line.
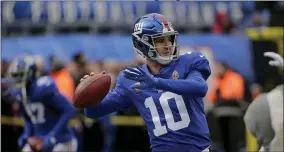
171,124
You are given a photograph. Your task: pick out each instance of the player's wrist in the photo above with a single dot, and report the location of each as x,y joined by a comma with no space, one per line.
52,140
22,141
158,82
155,80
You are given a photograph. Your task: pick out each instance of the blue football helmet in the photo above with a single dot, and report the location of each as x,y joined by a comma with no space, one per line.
23,70
149,27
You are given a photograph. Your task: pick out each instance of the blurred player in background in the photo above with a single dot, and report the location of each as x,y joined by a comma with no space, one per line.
167,90
264,117
66,86
46,112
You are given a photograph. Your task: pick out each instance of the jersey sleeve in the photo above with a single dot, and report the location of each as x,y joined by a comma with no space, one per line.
46,87
28,131
115,100
196,73
52,98
67,110
196,61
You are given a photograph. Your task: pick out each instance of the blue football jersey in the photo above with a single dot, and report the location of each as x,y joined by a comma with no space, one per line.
45,109
175,122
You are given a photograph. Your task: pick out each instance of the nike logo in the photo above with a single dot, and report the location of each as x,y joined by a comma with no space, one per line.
201,56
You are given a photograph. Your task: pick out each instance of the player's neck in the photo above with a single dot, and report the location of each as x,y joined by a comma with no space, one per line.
154,67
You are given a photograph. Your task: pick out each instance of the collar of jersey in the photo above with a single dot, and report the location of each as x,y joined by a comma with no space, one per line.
163,71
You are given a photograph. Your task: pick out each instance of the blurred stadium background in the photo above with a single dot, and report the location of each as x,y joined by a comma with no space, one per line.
73,38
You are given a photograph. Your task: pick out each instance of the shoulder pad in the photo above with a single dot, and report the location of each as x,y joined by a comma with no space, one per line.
45,81
196,61
193,55
46,85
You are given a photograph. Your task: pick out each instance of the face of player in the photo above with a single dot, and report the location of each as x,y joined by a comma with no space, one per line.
163,46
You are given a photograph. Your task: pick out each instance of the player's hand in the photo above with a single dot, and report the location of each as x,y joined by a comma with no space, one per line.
47,144
146,80
91,74
22,140
277,60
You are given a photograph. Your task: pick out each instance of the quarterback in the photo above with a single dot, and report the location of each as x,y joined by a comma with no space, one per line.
167,90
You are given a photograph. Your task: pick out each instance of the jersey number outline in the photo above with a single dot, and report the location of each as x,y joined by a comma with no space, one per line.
171,124
36,112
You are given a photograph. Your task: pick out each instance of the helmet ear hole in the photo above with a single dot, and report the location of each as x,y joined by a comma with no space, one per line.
152,54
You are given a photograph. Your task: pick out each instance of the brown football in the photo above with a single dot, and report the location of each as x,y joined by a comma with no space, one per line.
92,90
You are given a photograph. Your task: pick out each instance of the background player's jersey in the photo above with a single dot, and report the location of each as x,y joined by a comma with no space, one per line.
175,122
43,110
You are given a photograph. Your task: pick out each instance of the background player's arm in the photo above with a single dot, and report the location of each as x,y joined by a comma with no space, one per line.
61,103
27,122
28,130
195,82
115,100
55,100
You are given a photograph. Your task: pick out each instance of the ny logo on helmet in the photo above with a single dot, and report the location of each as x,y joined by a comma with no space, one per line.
138,27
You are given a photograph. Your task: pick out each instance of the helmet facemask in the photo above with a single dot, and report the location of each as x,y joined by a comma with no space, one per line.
23,74
153,53
20,79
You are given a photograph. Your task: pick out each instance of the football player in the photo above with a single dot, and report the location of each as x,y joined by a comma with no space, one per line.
264,116
167,90
46,112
